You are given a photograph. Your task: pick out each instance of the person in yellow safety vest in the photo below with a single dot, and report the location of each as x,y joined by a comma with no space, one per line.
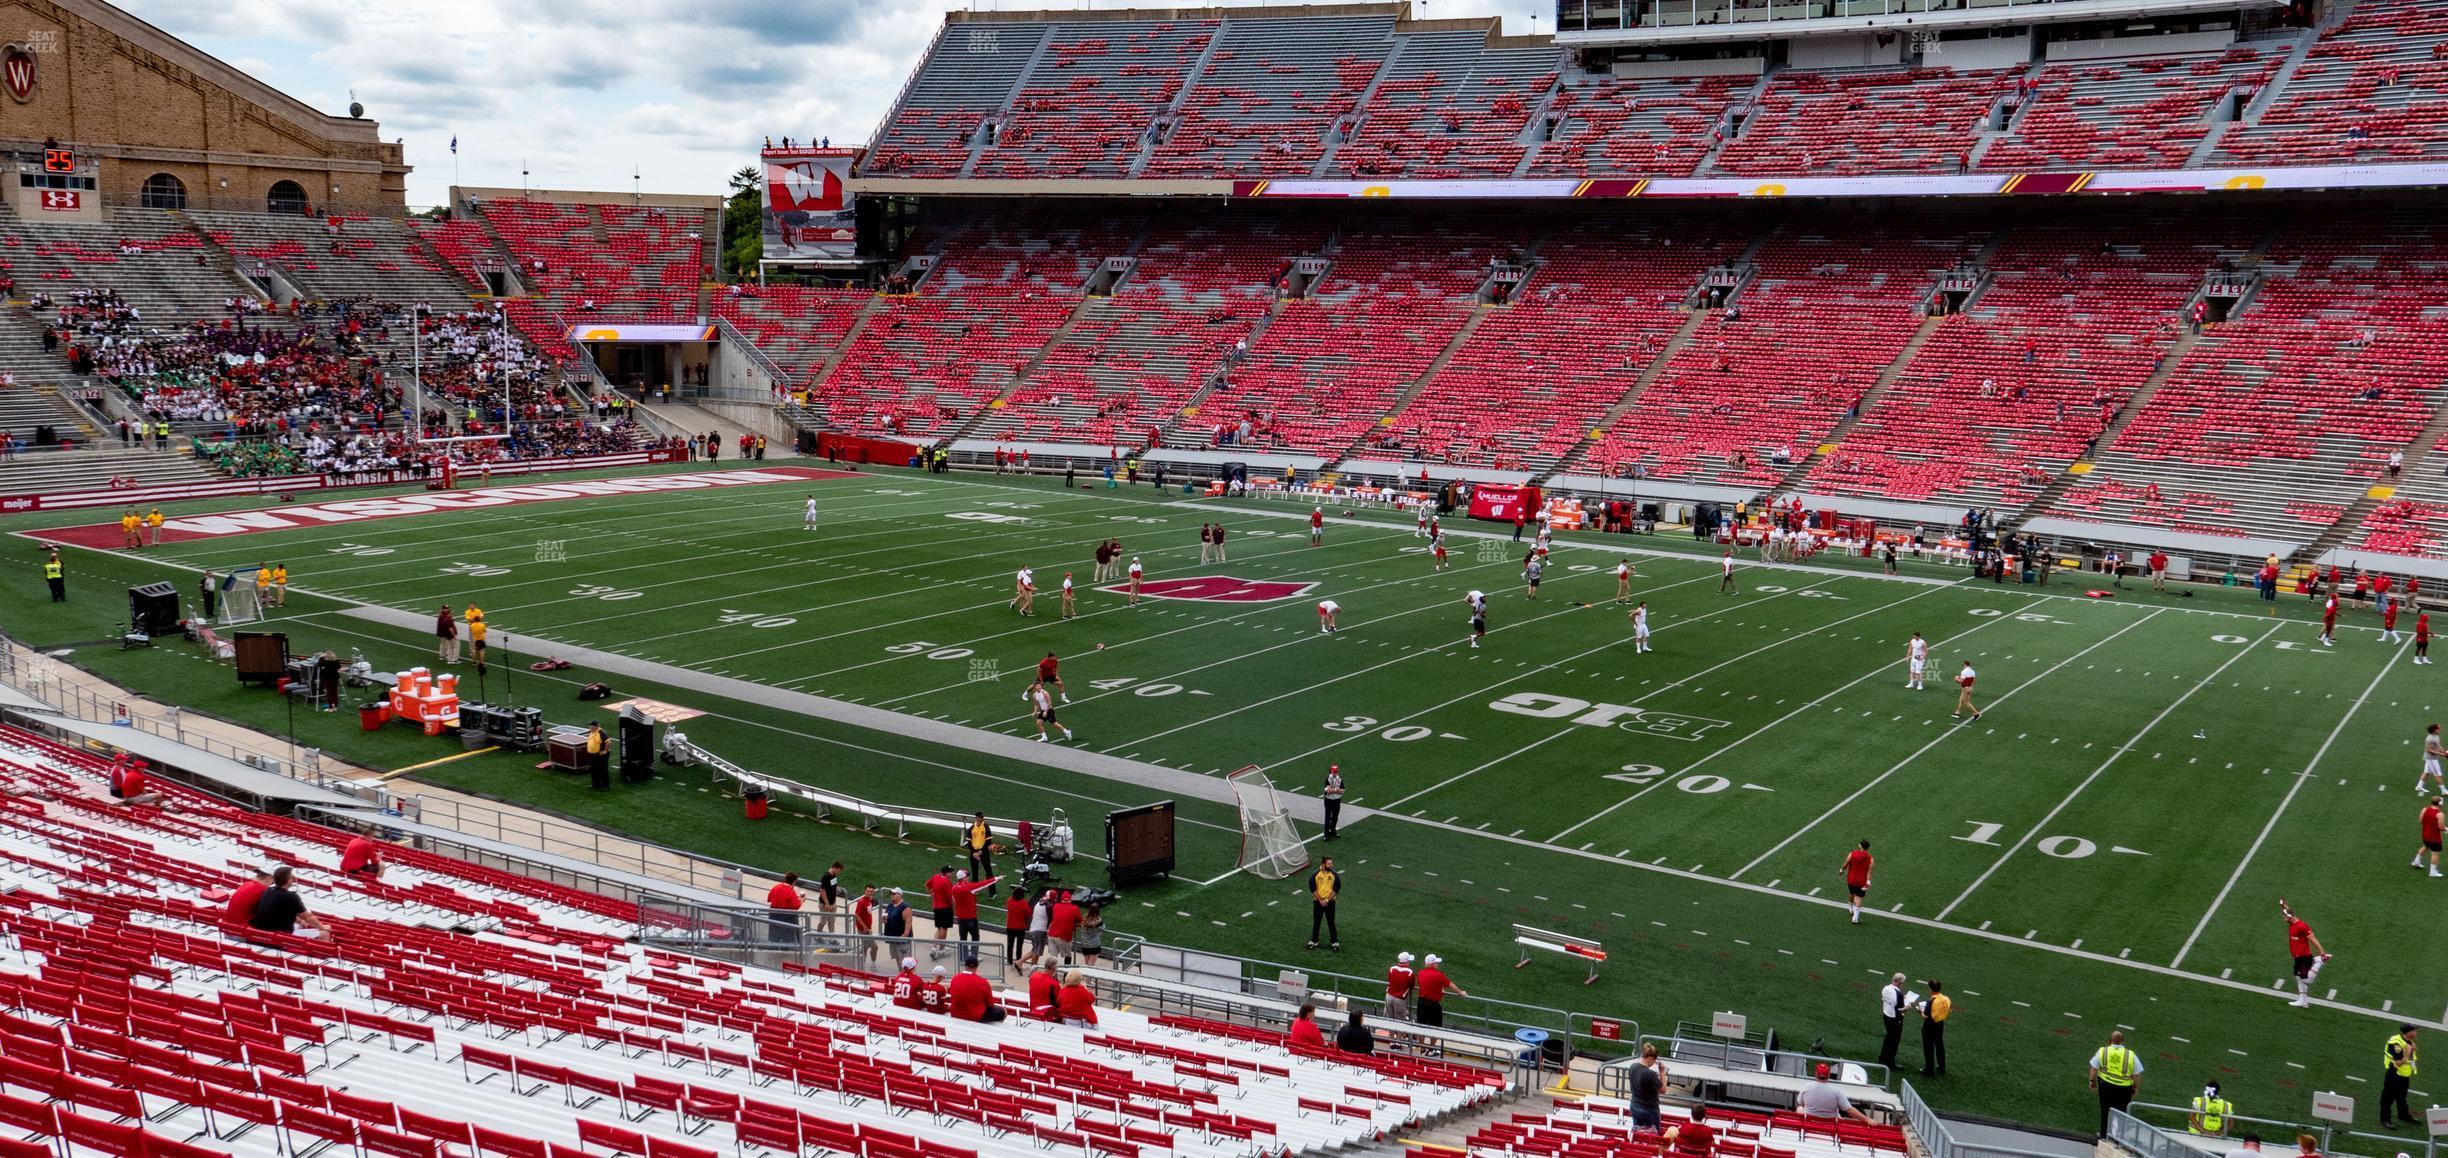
1325,887
476,634
2115,1072
55,576
153,525
161,436
130,525
263,585
280,585
2210,1112
2397,1078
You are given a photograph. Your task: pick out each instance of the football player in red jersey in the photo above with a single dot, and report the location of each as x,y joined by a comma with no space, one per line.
2305,947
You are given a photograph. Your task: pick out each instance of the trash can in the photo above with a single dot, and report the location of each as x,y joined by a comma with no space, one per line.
1534,1048
753,800
373,716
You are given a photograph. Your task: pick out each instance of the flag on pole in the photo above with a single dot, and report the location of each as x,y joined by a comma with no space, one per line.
454,144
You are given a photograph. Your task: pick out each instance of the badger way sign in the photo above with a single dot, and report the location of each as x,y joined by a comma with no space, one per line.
188,528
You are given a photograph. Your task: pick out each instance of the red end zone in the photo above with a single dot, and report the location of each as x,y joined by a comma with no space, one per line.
294,516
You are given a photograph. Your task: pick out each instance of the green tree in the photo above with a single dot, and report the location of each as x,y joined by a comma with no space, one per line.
744,225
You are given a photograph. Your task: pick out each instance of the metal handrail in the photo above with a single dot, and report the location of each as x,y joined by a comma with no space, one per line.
1940,1142
2151,1141
733,338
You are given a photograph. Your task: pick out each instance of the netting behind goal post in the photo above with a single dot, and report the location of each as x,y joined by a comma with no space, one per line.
1270,847
239,603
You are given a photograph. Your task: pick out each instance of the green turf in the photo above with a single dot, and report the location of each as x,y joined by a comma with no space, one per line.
2065,864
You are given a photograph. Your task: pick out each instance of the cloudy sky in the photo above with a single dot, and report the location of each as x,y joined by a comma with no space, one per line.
596,94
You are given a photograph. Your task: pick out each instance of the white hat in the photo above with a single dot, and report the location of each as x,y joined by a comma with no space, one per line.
961,875
939,971
1404,958
1434,959
909,962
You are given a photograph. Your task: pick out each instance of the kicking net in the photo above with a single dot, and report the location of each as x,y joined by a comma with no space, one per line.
239,603
1270,847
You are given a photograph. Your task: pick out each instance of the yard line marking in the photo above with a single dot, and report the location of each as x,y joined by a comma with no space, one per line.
2288,799
1764,728
2034,831
1940,738
1521,751
1835,905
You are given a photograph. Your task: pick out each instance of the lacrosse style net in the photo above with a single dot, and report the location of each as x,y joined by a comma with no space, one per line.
1269,846
239,603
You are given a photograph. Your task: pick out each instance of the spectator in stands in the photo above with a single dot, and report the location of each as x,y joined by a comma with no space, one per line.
965,912
1823,1100
935,994
2248,1146
1016,909
1089,940
904,987
281,910
362,858
971,997
1400,979
1041,915
1355,1037
1042,990
783,901
1062,924
897,925
1433,986
128,783
829,889
862,921
1305,1031
1695,1136
1648,1083
1076,1002
2396,462
242,901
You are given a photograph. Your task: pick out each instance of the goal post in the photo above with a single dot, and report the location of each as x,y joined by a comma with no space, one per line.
1270,846
239,602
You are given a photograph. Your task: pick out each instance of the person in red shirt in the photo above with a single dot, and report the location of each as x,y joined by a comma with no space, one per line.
1061,922
2388,619
935,995
1076,1002
1015,925
361,858
1399,979
783,900
1305,1031
1048,674
1433,986
128,782
2307,951
1042,992
939,895
862,921
242,902
1695,1136
2422,637
2328,635
2430,836
971,997
965,911
2158,570
1857,878
904,986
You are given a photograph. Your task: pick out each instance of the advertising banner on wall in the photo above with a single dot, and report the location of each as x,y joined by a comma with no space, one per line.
809,213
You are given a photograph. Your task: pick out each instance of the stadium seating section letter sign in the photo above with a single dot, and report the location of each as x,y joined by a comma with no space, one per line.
808,210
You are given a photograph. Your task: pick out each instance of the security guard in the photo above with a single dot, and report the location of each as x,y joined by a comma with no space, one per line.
55,577
153,525
280,585
599,757
2396,1078
2210,1112
476,634
2115,1072
1325,887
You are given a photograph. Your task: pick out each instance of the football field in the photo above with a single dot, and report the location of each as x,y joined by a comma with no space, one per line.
2106,845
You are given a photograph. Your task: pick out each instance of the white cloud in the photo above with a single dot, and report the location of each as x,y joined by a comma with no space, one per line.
581,92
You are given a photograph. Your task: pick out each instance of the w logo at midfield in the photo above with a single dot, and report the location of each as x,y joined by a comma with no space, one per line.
1217,589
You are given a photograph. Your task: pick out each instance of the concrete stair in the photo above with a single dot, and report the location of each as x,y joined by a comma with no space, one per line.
2066,479
1869,398
1648,375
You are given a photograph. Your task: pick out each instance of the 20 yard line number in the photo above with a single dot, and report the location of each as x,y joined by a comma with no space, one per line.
1645,775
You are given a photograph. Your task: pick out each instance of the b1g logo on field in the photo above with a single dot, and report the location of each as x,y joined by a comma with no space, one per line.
1217,589
1665,725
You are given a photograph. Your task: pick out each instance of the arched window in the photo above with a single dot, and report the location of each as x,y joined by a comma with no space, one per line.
285,197
163,191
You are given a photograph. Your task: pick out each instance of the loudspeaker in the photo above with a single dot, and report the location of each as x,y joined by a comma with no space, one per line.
637,746
154,609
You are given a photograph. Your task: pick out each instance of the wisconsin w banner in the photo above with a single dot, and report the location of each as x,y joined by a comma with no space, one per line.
808,210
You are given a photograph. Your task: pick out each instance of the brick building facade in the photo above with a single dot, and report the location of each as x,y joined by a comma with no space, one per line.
152,120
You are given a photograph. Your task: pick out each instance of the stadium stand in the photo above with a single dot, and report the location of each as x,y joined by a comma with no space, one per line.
449,1008
150,258
1448,105
2280,420
2369,91
1888,121
1269,95
363,259
2148,113
1650,127
2003,398
1086,106
1766,379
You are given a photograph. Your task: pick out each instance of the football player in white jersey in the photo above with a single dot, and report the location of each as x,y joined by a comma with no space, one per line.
1916,658
1640,627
